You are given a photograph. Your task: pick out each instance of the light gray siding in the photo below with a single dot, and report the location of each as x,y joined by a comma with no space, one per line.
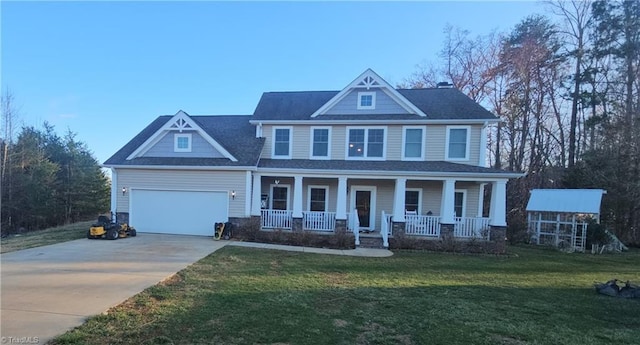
437,140
338,142
431,195
301,142
349,104
473,191
226,181
199,147
394,143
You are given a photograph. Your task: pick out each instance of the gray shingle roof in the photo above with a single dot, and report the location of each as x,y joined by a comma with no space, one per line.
398,166
436,103
233,132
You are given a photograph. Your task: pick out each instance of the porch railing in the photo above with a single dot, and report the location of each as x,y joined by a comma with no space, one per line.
422,225
471,227
384,229
276,219
386,219
319,221
353,224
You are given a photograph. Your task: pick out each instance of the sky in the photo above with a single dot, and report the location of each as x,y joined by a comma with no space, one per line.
105,70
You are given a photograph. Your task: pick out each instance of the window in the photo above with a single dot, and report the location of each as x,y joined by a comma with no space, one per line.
457,142
282,142
318,198
413,142
412,200
279,197
320,142
366,142
182,142
460,197
366,100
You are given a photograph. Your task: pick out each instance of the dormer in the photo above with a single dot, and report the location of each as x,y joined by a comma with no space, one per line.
181,136
368,94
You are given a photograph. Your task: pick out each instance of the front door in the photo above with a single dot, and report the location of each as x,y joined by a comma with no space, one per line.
363,201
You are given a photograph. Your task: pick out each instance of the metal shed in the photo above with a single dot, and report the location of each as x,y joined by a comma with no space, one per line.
560,216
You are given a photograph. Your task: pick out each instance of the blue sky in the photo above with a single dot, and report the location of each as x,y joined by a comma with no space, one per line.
107,69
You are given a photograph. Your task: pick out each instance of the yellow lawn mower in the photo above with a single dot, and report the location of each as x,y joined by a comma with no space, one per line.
104,228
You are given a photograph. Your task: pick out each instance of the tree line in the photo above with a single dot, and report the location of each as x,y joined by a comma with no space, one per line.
46,180
566,87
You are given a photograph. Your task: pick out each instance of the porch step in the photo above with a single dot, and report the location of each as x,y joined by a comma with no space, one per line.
371,242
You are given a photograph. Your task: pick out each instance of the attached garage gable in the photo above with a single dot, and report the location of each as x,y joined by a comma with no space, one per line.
182,212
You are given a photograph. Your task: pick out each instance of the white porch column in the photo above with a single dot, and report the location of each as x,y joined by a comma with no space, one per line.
255,194
482,160
447,207
341,202
297,197
498,211
398,199
247,193
114,191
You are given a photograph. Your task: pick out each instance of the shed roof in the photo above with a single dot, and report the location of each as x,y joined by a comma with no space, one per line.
566,200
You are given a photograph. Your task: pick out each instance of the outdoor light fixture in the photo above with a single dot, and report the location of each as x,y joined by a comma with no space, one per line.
124,190
233,194
277,181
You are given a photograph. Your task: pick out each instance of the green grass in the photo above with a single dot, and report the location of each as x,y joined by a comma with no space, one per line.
44,237
251,296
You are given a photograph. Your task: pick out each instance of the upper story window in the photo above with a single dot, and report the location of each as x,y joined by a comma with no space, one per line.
365,142
320,142
413,142
182,142
457,146
366,100
282,142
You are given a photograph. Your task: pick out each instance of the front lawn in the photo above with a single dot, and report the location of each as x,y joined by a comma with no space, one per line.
45,237
252,296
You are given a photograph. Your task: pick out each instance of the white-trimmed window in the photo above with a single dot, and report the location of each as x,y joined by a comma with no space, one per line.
317,198
282,142
182,142
457,146
413,138
366,143
366,100
460,202
279,197
413,200
320,142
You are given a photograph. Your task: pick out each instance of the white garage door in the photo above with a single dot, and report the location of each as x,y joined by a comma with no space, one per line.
177,212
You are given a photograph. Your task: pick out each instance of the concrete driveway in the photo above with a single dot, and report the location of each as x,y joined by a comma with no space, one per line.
49,290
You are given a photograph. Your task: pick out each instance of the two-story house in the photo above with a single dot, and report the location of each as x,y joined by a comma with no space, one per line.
368,157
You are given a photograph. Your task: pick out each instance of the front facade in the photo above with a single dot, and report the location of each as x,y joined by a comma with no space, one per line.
367,158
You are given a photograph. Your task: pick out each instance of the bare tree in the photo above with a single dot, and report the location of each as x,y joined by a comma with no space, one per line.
575,16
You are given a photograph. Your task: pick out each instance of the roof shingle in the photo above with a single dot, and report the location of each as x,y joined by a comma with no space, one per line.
233,132
436,103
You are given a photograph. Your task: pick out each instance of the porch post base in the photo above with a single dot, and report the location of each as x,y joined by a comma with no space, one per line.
398,228
256,221
498,235
341,226
122,217
296,224
446,232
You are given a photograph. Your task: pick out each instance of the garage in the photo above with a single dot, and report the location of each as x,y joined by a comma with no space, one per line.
178,212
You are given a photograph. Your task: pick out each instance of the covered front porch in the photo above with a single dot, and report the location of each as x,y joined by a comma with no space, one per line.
381,206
